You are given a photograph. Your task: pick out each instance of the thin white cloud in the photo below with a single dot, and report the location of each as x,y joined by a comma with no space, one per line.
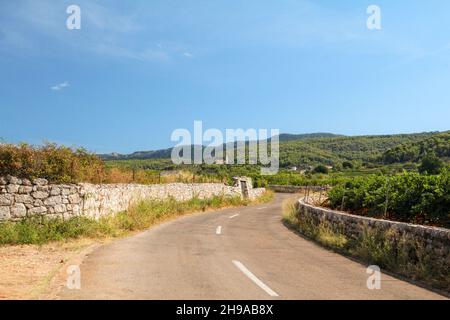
109,20
123,52
105,31
60,86
188,55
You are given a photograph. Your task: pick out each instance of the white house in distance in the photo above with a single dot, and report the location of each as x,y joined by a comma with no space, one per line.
222,161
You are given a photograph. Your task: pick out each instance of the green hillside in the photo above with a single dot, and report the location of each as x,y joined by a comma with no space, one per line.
334,150
309,150
437,144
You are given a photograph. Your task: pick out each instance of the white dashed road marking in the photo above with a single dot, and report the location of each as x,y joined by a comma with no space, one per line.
252,277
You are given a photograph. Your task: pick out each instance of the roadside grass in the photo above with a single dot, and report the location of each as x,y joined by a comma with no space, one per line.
330,238
289,211
138,217
266,197
323,233
386,248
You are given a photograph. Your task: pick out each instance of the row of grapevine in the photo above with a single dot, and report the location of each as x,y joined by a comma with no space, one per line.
409,197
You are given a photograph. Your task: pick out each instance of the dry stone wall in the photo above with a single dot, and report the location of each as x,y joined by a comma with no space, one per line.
20,198
435,242
295,189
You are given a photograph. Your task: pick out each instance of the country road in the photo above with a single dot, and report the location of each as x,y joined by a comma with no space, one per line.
243,253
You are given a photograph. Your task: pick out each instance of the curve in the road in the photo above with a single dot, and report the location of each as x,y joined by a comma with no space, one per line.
255,257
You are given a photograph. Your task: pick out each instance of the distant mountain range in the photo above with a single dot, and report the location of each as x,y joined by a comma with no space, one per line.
331,149
166,153
152,154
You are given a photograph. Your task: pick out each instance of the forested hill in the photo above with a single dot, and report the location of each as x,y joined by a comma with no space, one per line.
437,144
324,148
153,154
335,150
165,153
290,137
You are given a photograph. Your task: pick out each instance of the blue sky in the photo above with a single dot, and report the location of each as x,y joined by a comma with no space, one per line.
137,70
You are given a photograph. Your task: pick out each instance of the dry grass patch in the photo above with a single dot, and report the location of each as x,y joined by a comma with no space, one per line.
27,270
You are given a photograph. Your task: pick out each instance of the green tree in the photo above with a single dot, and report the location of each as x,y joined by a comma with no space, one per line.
431,164
321,169
347,165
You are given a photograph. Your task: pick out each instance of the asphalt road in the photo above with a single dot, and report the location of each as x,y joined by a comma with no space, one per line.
244,253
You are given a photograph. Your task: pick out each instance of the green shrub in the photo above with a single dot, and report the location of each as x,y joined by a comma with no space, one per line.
431,164
347,165
321,169
58,164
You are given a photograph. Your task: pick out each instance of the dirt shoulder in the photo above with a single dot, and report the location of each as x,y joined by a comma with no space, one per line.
36,272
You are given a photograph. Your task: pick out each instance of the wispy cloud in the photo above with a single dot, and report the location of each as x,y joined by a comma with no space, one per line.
105,31
132,33
60,86
119,51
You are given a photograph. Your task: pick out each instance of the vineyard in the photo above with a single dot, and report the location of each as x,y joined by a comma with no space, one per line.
409,197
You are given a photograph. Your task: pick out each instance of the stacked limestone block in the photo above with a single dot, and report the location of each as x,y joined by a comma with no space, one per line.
20,198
